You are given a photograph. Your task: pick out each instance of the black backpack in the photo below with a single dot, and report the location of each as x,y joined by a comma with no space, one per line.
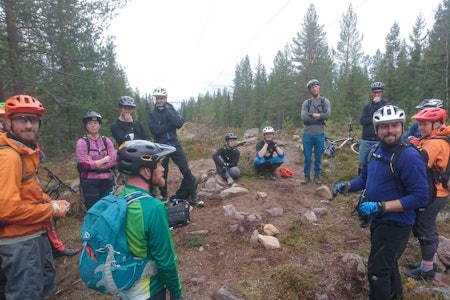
431,176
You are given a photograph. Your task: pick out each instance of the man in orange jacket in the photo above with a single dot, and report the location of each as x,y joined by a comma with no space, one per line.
25,253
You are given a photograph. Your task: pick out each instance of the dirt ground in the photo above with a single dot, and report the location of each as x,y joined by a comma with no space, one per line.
305,267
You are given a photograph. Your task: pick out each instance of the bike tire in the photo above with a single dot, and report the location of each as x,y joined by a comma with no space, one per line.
355,147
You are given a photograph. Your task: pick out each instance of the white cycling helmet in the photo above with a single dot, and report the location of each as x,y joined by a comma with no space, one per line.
388,114
268,129
430,103
160,92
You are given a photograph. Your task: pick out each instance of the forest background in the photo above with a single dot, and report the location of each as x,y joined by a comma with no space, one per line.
59,52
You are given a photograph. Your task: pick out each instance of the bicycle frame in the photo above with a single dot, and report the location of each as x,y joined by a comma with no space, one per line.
339,143
54,189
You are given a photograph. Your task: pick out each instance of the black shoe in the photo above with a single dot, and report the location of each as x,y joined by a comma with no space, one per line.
419,273
66,252
272,176
197,202
261,175
306,180
317,180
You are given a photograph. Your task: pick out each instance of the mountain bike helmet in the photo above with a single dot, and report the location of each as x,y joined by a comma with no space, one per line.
2,109
92,116
431,114
388,114
136,154
230,136
312,83
268,129
23,104
376,86
127,101
430,103
160,92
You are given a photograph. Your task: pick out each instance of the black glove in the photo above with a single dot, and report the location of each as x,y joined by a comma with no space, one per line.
342,188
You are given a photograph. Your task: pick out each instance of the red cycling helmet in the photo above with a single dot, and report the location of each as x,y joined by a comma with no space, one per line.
431,114
23,104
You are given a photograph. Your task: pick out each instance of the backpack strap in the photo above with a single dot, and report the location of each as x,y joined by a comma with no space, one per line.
24,169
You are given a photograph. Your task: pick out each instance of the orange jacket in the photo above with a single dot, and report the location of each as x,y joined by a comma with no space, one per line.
24,206
438,151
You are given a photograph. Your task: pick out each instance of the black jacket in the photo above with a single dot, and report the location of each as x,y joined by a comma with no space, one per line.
366,121
164,123
229,156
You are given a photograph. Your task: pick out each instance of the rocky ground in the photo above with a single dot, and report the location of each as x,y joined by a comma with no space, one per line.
320,258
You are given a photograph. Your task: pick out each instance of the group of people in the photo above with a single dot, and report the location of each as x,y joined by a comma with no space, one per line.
27,210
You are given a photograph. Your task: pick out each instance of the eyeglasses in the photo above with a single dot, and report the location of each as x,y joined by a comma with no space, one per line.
377,92
25,119
160,98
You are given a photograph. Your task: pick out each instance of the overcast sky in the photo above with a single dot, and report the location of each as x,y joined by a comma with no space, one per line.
190,47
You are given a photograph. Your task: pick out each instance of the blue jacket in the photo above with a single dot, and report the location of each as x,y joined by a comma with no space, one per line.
164,123
376,177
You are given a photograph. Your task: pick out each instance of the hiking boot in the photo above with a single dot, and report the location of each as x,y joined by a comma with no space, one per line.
197,202
419,273
317,180
261,175
230,180
272,176
65,252
415,265
306,180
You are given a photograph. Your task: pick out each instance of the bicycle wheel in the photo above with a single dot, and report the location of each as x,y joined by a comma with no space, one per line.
355,147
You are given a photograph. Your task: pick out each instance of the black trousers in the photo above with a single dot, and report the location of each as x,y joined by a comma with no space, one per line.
94,189
388,242
189,184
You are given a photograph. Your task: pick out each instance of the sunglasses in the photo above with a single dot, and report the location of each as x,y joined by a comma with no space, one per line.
25,119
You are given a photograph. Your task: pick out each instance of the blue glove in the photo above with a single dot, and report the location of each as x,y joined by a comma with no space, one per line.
340,188
369,208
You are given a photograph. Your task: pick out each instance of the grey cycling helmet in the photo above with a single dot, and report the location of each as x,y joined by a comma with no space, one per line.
92,116
430,103
160,92
136,154
312,83
230,136
268,129
376,86
127,101
388,114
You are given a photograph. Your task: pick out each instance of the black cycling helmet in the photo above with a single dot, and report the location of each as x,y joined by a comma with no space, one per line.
136,154
376,86
92,116
430,103
127,101
312,83
230,136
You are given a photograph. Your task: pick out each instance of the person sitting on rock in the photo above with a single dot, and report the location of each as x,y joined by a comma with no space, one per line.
226,159
269,155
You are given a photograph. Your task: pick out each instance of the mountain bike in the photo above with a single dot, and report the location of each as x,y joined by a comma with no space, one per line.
331,145
54,185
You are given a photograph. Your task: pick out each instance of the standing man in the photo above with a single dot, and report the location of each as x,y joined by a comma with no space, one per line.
125,128
146,227
226,160
369,137
315,111
391,208
25,252
164,121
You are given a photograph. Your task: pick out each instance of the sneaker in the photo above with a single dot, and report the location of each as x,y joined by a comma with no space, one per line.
317,180
165,200
419,273
197,202
234,184
415,265
230,180
306,180
261,175
65,252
